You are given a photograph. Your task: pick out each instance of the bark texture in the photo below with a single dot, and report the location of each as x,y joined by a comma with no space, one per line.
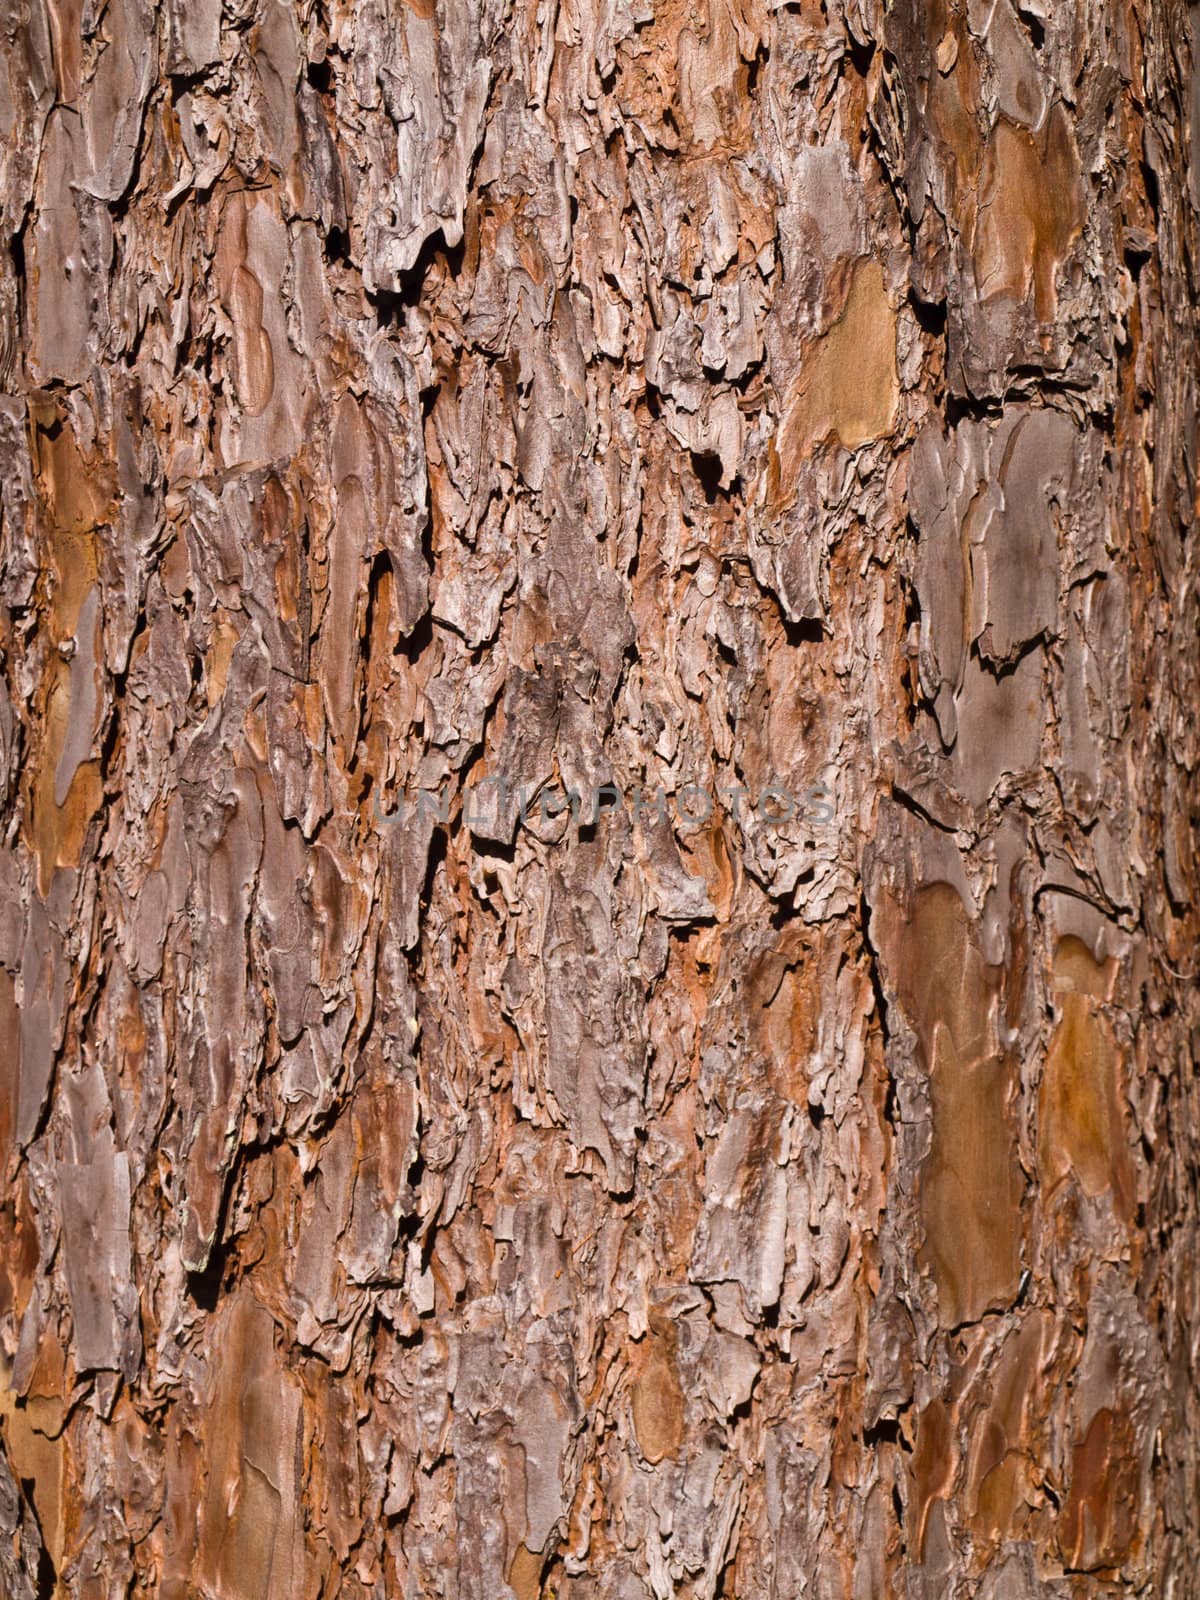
595,392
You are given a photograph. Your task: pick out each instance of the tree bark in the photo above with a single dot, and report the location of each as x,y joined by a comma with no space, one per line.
772,1171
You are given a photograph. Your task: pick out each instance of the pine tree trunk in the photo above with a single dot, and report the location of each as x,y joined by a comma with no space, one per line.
598,750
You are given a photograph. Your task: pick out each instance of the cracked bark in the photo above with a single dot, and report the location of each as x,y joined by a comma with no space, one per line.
422,1201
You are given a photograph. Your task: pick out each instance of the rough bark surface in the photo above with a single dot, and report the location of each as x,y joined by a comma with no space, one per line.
412,1202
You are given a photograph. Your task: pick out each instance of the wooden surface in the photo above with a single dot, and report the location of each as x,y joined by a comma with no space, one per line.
400,1202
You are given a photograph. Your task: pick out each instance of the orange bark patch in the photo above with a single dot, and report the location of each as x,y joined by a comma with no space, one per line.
1077,971
933,1466
66,36
999,1475
941,975
1017,194
242,294
220,654
1028,213
280,517
249,1517
1080,1117
954,96
76,494
21,1249
658,1399
971,1187
525,1573
1100,1517
971,1183
59,830
40,1462
848,385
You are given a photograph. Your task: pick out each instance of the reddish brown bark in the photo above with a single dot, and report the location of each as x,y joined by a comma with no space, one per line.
410,1199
